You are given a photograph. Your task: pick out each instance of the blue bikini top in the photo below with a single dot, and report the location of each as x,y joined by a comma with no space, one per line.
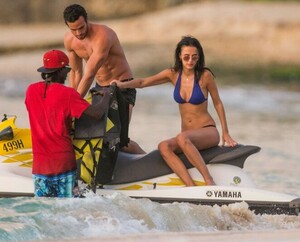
197,94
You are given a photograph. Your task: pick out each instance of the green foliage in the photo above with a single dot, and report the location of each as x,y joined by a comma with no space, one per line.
290,74
278,76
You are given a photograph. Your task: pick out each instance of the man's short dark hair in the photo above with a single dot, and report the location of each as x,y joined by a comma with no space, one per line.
73,12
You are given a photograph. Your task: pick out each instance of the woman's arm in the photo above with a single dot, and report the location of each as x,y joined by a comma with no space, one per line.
218,104
160,78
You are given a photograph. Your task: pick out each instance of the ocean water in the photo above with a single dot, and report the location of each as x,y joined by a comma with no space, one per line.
24,219
259,116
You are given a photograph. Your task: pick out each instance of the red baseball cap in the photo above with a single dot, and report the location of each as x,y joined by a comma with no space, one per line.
54,60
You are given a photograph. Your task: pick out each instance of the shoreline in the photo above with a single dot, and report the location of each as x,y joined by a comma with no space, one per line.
264,32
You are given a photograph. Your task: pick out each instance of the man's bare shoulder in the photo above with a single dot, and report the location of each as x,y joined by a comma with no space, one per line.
68,38
101,36
103,32
101,28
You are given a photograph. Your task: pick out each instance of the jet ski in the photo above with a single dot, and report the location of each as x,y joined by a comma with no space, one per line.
147,176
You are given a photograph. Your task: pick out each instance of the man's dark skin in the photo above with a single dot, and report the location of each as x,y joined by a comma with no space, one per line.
95,111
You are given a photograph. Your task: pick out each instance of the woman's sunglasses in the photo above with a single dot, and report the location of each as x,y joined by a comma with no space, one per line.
188,57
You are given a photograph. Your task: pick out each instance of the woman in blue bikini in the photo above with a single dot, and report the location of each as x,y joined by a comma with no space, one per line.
193,82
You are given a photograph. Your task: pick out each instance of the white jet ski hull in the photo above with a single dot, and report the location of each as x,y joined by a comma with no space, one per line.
147,176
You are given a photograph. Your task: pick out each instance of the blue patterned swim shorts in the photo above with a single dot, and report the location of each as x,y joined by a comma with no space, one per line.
61,185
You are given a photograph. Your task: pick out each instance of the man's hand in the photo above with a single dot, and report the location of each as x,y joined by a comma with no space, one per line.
111,90
101,92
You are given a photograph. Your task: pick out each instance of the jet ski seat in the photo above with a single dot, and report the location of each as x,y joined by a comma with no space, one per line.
131,167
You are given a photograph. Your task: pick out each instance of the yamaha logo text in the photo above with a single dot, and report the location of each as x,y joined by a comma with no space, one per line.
224,194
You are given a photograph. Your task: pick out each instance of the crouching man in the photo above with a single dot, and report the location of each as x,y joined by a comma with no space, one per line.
51,106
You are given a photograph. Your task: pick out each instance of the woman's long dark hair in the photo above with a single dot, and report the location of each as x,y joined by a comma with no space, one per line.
190,41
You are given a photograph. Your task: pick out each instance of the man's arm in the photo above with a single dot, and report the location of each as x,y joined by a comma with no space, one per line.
97,110
76,71
100,50
75,62
94,63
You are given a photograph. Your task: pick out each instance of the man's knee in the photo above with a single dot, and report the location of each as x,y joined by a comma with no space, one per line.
133,148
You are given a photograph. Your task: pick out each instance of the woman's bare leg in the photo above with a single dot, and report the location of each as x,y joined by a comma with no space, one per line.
194,157
191,141
167,149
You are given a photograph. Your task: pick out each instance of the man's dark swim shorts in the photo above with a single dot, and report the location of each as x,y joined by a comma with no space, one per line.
128,93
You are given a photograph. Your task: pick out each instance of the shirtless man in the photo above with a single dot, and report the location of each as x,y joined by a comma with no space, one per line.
99,47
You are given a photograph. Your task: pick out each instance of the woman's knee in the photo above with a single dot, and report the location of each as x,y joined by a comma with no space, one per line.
182,139
164,149
163,146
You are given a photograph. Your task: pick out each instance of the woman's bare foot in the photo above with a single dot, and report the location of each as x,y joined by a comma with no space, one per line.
210,182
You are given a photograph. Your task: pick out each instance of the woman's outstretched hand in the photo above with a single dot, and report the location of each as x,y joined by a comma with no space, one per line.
116,82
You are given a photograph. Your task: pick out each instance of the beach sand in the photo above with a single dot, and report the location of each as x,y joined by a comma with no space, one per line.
231,32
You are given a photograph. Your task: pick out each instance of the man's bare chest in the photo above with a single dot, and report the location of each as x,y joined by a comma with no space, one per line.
84,51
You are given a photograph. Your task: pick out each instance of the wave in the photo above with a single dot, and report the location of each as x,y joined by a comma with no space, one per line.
97,216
